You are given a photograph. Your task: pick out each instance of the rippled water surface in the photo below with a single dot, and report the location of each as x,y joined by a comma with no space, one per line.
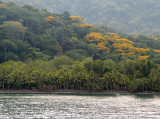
53,106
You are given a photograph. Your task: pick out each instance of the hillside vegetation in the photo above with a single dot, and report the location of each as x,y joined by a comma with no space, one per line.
130,16
45,51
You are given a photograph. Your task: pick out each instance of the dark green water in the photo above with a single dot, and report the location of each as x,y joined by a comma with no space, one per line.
53,106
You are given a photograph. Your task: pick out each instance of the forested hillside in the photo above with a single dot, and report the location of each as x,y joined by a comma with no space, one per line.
130,16
60,51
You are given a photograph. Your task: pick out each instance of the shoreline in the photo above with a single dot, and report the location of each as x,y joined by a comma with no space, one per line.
73,92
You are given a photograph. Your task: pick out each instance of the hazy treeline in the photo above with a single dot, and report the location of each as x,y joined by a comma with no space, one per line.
131,16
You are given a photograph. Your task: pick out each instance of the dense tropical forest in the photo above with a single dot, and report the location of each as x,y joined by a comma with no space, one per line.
41,50
130,16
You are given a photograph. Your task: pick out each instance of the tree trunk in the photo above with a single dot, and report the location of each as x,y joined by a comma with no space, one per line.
28,86
9,86
152,84
12,86
79,85
67,85
3,84
64,85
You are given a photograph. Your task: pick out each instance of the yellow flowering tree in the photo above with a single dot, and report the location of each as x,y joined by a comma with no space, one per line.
76,18
157,51
154,37
114,35
126,48
3,5
49,18
122,45
98,39
87,26
143,57
101,46
94,37
123,40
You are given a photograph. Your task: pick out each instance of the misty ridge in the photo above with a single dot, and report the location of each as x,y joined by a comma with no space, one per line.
132,17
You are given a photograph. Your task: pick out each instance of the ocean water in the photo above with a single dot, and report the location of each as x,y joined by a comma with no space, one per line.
74,106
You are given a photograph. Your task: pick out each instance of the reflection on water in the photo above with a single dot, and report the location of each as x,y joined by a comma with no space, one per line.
79,106
144,96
